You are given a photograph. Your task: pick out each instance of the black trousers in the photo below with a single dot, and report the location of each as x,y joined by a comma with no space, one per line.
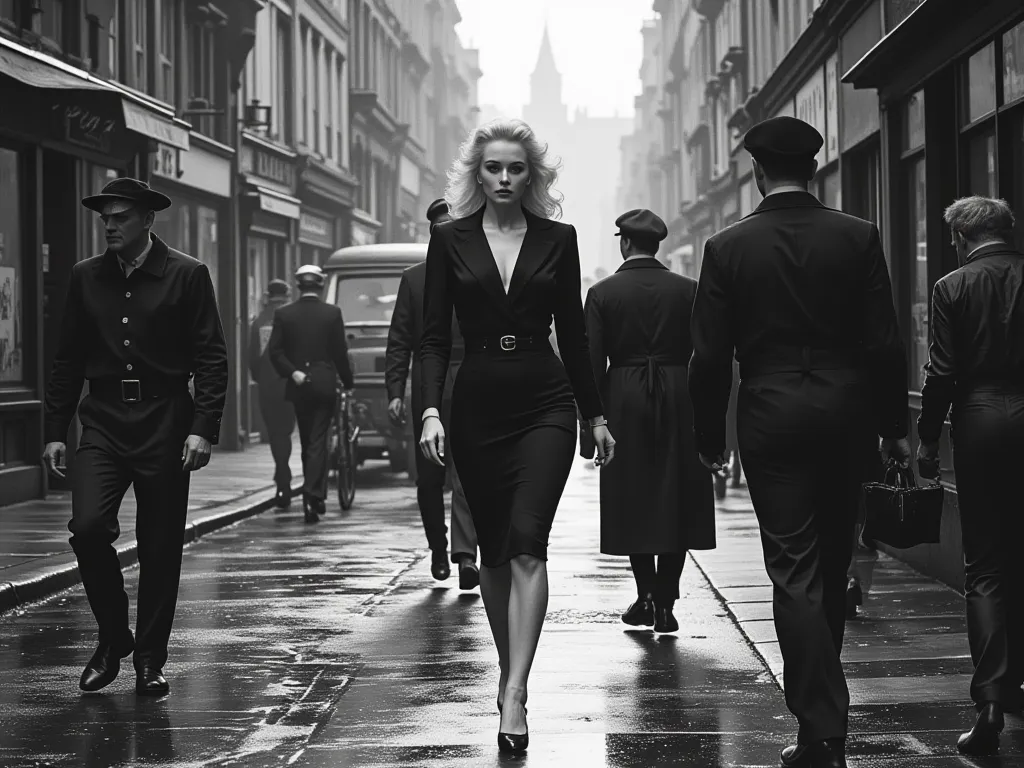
661,582
988,454
314,418
430,480
138,445
806,451
279,418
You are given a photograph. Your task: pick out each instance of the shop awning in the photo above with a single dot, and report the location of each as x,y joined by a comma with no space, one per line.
41,71
272,201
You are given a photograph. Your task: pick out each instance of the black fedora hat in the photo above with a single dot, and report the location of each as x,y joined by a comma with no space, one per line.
132,190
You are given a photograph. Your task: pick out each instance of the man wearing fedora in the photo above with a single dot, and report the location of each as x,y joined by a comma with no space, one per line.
277,412
801,294
140,322
403,352
658,500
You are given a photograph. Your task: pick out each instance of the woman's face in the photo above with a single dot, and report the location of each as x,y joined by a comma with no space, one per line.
504,172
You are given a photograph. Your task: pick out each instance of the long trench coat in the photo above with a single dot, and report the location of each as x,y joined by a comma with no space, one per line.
656,496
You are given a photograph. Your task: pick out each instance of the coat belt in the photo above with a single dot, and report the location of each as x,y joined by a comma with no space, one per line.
650,365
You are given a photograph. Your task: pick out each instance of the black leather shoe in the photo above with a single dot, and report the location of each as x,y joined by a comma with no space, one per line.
830,753
795,756
104,665
640,613
514,743
151,682
439,568
983,738
309,510
469,575
665,620
283,498
854,598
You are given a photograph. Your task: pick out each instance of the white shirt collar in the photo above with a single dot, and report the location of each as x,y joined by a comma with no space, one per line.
139,260
983,245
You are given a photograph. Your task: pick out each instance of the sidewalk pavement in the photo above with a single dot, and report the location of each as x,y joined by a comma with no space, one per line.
36,559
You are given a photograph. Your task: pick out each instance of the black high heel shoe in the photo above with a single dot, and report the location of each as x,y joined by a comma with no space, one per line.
513,743
983,738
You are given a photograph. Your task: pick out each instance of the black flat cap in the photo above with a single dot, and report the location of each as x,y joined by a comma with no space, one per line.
641,223
783,137
437,209
131,192
277,287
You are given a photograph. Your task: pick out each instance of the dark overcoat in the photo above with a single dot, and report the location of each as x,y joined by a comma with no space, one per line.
656,496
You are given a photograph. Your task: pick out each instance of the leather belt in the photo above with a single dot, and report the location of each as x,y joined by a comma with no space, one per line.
136,390
800,360
651,364
507,343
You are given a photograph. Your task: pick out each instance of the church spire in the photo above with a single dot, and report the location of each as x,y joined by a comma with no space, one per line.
546,57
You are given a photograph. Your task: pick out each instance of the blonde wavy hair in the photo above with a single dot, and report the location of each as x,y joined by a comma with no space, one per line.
464,196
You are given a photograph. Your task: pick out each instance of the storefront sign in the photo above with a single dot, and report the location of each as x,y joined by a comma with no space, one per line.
85,124
363,235
810,107
141,120
282,207
832,108
316,230
196,168
267,166
165,162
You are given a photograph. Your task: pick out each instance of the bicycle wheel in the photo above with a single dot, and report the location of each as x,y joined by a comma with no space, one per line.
346,462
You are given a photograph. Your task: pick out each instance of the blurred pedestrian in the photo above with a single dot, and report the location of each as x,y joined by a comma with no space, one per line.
140,320
277,412
976,364
800,294
307,348
404,350
508,268
657,499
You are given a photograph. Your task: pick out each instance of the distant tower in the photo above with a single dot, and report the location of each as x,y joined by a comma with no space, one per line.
546,113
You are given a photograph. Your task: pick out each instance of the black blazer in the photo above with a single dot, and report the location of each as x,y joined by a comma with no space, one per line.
977,332
461,272
794,274
405,334
308,331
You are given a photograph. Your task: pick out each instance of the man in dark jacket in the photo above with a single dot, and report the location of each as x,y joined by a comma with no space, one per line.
801,294
657,499
277,412
308,349
404,350
139,322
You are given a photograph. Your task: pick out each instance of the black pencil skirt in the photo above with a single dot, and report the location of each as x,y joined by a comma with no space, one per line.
513,440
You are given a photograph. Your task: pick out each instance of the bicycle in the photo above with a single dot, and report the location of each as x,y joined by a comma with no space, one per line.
344,442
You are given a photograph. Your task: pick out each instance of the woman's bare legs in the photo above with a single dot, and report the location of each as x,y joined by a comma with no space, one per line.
495,584
527,605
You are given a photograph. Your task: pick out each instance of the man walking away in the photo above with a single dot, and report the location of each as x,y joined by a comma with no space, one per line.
403,351
657,499
308,348
801,293
139,321
277,412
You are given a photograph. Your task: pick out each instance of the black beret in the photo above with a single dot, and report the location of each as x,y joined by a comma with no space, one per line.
437,208
641,223
783,137
277,288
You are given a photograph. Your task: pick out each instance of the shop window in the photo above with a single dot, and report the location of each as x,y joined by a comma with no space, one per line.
981,164
48,20
1013,64
913,122
1017,155
862,170
919,288
978,92
11,331
173,226
99,177
206,241
258,277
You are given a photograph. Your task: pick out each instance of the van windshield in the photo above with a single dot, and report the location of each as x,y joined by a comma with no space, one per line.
368,298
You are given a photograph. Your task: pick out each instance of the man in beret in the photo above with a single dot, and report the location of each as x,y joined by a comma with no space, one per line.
403,350
657,500
800,293
139,322
276,410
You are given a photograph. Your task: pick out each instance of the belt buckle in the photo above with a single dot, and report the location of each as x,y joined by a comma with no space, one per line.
508,343
131,390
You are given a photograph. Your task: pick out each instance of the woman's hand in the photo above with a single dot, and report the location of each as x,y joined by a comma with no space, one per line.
432,440
604,443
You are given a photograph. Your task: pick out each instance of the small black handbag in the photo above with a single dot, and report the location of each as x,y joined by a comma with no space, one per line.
899,512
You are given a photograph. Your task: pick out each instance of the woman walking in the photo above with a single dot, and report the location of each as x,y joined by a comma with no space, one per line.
976,364
507,269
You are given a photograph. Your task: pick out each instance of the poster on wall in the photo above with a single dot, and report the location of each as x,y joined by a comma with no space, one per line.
8,331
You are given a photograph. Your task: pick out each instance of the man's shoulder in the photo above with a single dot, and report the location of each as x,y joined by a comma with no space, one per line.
760,223
179,260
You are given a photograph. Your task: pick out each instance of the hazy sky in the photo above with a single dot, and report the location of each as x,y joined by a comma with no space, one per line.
597,47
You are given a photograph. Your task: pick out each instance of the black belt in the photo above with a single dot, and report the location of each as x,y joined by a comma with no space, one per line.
800,360
136,390
505,343
650,365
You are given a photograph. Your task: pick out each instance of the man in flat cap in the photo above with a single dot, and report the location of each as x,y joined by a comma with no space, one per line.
404,350
308,350
276,410
140,321
657,500
801,294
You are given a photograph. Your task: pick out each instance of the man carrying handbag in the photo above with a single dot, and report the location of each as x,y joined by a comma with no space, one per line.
308,348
